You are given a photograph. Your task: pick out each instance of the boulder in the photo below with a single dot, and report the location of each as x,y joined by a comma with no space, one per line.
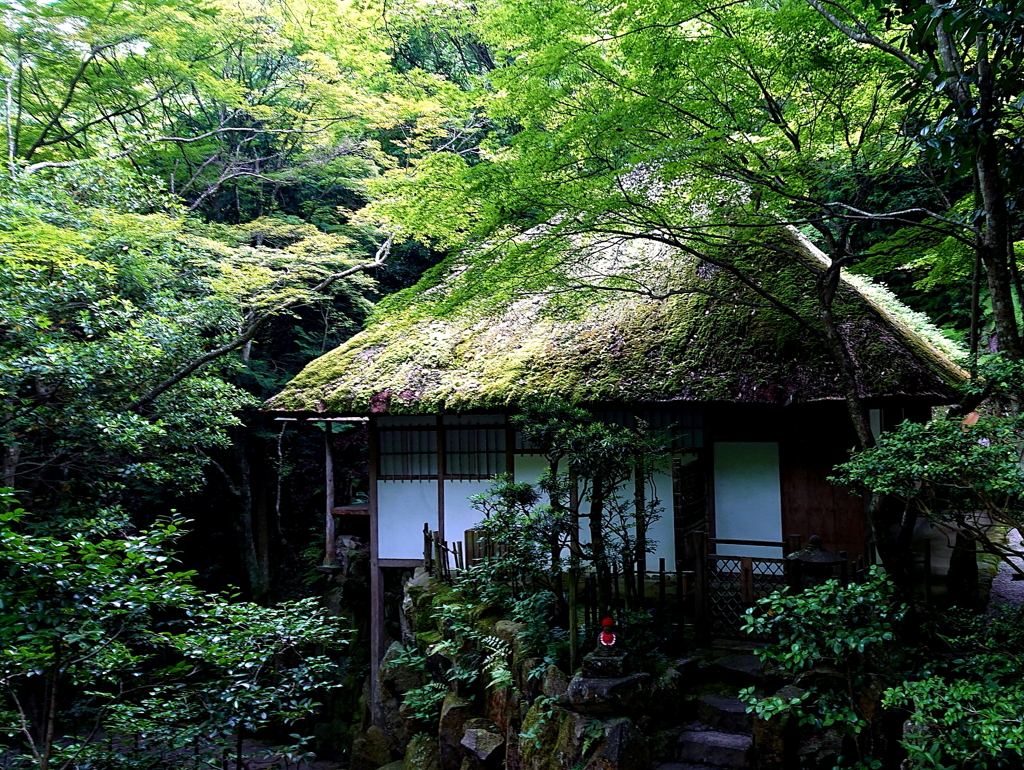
422,753
398,677
393,715
484,744
511,632
529,676
623,748
555,682
773,738
370,749
572,737
455,712
538,736
502,707
622,696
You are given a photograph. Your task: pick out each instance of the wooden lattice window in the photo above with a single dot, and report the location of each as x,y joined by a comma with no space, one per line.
407,454
685,427
474,453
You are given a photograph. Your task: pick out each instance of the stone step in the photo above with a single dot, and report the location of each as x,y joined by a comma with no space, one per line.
739,669
725,713
713,747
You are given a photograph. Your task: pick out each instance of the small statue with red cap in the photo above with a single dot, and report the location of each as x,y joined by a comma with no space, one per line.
607,638
608,660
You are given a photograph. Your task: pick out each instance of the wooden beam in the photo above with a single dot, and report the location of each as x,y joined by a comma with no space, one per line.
510,450
361,509
400,562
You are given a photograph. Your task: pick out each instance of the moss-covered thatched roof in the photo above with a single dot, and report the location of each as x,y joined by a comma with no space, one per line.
478,335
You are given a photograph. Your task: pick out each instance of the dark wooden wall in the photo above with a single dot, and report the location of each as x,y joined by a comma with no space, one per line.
812,441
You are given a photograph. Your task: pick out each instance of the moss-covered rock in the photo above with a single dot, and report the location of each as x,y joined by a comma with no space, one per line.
539,735
455,713
624,747
422,753
370,749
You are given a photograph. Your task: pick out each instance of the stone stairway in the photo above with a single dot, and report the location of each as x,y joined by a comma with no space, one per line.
720,736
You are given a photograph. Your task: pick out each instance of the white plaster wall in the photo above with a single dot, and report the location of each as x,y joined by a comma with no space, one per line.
748,500
459,515
663,530
402,509
530,467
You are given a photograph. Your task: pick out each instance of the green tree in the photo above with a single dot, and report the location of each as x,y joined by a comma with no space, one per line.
85,647
118,315
962,69
686,125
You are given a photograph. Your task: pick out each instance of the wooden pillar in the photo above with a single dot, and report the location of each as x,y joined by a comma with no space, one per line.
376,581
442,470
700,584
330,554
510,449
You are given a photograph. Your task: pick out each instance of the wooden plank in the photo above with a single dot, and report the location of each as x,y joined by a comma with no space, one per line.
510,451
766,543
442,460
360,509
811,505
746,580
700,583
400,562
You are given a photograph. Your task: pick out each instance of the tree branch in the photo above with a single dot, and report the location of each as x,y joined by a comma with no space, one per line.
252,327
860,34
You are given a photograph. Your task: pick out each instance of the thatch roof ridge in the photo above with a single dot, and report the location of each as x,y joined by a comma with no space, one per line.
440,352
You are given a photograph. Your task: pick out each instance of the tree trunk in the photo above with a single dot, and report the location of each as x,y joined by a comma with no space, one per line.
895,559
245,526
597,545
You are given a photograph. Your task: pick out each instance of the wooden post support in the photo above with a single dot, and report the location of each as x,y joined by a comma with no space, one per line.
661,584
844,569
377,634
330,552
428,548
747,580
793,544
700,580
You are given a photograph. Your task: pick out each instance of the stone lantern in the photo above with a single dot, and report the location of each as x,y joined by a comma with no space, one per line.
814,565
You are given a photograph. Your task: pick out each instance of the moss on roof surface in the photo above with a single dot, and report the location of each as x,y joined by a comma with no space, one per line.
470,338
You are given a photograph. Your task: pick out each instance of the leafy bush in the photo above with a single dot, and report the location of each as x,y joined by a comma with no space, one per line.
844,635
966,708
99,634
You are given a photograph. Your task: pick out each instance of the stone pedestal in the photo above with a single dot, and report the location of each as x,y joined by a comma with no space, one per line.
612,696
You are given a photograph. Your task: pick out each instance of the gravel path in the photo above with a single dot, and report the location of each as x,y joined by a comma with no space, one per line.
1004,589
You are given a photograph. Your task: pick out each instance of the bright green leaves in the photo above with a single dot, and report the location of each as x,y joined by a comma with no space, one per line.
966,703
99,305
965,476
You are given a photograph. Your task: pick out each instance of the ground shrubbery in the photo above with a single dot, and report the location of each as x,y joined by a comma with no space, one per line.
111,658
864,666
